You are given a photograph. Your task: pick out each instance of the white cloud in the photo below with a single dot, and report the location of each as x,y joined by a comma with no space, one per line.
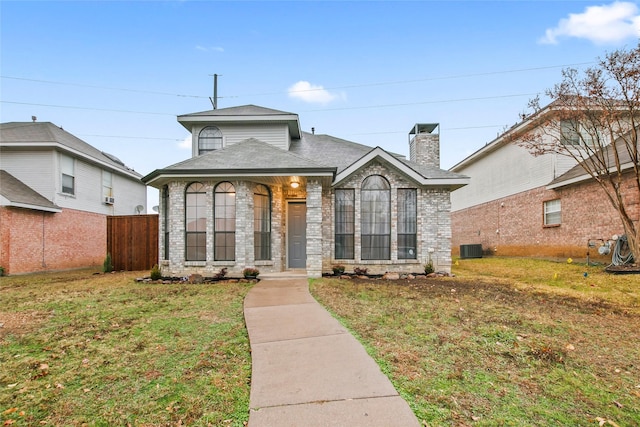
308,92
210,48
185,144
611,23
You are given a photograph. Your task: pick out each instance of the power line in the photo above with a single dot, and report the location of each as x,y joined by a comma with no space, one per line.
396,82
442,101
87,108
102,87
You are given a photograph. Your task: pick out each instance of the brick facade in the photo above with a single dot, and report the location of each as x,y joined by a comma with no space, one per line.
34,241
514,225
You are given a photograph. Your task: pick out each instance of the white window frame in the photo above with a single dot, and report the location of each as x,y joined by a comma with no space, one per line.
67,173
552,208
107,184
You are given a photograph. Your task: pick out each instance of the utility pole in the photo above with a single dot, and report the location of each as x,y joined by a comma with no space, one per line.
214,100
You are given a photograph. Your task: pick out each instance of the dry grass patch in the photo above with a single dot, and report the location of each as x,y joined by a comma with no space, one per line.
506,351
85,349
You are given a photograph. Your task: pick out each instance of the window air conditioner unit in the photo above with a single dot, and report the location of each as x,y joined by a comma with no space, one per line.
108,200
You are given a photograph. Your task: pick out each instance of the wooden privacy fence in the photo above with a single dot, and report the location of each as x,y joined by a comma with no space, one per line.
132,241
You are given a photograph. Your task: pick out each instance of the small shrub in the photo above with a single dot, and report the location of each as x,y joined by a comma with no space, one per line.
360,271
428,267
338,269
220,274
155,273
107,266
1,271
250,273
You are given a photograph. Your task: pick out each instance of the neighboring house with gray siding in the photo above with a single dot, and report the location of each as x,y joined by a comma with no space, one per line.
259,192
56,192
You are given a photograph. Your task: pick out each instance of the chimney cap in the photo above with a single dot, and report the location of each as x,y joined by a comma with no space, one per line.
424,128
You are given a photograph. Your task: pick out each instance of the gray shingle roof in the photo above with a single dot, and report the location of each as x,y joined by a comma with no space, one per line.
46,133
250,156
242,110
20,194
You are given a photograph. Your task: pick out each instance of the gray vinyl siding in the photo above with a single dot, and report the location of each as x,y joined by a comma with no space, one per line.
35,168
276,134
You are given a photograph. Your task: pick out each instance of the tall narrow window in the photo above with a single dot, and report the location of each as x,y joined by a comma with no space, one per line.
376,218
67,169
209,139
165,219
196,222
407,223
224,212
552,212
107,185
262,223
345,223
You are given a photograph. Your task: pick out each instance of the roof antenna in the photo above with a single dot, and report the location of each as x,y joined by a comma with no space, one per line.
214,100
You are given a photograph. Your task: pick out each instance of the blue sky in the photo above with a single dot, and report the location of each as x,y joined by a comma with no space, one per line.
117,73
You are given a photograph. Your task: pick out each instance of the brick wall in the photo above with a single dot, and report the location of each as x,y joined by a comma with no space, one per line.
513,225
40,241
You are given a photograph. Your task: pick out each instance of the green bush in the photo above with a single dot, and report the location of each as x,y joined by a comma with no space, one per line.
250,273
338,269
428,267
156,274
107,266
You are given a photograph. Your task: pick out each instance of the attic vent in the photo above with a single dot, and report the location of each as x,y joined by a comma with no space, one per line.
470,251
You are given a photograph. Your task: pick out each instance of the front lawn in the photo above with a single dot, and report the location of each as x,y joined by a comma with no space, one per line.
101,350
510,342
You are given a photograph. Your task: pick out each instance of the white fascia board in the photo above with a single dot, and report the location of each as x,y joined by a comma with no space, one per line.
285,118
29,206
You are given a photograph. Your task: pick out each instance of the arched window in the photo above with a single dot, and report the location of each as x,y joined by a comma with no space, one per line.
376,218
165,219
224,224
196,223
262,223
209,139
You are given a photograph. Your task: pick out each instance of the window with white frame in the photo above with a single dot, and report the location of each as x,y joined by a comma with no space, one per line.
68,175
552,212
574,133
209,139
107,184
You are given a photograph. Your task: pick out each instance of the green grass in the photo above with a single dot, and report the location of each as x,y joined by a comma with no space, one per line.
103,350
506,342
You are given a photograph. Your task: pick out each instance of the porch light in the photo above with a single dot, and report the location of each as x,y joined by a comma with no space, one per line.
295,184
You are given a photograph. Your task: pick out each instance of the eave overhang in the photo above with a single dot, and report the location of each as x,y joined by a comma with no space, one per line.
291,120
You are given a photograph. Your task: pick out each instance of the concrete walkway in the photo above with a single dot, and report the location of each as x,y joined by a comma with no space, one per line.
307,369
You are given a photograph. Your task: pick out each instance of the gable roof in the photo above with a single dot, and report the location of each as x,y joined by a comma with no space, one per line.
243,113
422,174
20,195
250,157
46,134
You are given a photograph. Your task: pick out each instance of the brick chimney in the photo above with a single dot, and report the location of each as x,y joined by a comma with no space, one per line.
424,144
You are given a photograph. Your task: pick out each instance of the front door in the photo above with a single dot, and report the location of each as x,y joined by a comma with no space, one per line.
297,234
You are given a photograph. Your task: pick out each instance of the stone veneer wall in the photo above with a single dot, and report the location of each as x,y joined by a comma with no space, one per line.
175,264
433,234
